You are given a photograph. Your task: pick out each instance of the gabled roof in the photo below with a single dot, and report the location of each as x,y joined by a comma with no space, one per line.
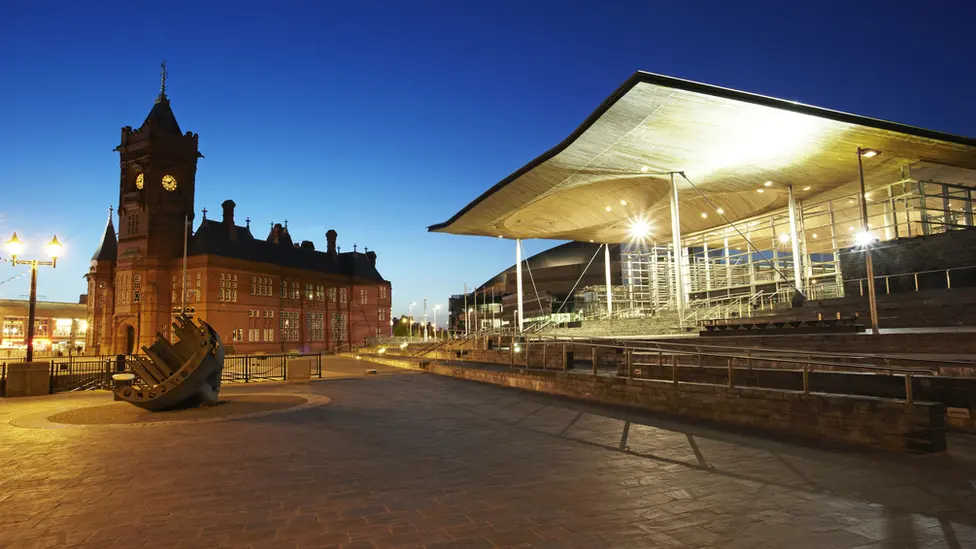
162,118
108,248
214,238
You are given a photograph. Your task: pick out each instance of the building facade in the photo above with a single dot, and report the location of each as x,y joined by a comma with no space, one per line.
57,327
261,295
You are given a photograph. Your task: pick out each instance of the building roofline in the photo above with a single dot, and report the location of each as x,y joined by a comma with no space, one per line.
643,77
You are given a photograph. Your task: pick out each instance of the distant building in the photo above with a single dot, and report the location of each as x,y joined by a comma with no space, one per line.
261,295
57,326
559,274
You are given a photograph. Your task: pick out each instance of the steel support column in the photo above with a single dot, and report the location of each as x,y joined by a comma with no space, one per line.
679,286
606,261
795,241
518,281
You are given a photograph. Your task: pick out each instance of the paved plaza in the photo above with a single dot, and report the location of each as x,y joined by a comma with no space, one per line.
404,459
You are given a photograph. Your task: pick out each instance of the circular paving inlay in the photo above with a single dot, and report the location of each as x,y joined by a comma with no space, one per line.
123,414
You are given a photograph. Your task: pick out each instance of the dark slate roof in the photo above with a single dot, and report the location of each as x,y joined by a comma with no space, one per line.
162,117
570,253
214,238
108,248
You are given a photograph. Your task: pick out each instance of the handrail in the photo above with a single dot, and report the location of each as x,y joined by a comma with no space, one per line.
648,345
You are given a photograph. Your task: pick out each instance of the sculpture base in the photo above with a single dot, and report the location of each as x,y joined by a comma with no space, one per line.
121,413
28,379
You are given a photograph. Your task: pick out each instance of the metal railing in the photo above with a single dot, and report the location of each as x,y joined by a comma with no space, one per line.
82,373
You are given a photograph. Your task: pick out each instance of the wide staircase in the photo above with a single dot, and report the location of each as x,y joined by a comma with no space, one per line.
923,309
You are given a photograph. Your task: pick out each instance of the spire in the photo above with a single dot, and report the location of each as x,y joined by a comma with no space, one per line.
161,116
108,248
162,77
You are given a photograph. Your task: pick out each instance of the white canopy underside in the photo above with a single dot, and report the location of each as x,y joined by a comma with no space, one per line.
728,143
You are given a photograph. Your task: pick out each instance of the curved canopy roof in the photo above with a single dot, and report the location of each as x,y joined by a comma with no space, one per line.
614,167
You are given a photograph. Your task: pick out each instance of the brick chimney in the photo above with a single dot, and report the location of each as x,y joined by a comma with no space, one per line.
330,238
228,206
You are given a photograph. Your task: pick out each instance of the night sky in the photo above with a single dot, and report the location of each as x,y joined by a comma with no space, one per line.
377,119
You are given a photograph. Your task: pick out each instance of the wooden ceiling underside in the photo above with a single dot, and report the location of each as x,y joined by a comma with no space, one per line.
727,143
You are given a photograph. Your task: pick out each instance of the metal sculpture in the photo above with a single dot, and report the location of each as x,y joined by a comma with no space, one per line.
181,374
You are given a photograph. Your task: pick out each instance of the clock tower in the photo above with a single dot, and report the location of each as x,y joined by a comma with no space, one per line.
157,177
157,165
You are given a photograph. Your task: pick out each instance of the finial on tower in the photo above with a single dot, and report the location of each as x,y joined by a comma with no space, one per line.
248,221
162,77
110,210
204,214
354,247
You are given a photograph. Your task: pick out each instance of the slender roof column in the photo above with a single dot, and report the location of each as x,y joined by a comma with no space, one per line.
676,243
606,260
795,240
518,281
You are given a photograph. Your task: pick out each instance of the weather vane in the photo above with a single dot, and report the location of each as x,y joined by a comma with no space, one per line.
162,77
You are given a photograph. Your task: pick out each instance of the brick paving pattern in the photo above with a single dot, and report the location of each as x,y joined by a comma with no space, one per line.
400,460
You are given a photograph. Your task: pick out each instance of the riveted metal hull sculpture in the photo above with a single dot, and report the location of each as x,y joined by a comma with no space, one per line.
181,374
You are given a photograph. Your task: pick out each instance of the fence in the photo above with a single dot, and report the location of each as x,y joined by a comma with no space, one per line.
95,372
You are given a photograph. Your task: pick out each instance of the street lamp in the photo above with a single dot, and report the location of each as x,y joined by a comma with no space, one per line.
425,319
14,247
436,307
411,318
866,239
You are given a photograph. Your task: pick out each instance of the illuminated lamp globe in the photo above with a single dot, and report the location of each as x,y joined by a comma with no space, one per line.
14,246
863,238
53,248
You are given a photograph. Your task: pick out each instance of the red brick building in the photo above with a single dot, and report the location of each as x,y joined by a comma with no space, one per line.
262,295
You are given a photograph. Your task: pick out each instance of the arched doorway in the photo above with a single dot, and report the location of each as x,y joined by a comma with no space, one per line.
130,339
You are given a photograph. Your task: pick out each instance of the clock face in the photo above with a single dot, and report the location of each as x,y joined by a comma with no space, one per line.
140,181
169,182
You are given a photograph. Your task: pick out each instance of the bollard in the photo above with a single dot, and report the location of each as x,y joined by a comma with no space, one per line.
908,389
565,358
731,383
630,364
674,369
698,350
806,380
511,353
543,357
593,358
660,359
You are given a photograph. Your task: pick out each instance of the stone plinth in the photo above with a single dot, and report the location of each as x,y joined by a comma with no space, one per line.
299,370
28,379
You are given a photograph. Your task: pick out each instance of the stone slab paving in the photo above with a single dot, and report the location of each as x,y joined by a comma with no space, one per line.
400,460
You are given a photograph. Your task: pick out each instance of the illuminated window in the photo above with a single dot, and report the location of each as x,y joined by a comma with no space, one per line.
382,292
294,290
309,294
343,295
362,296
332,294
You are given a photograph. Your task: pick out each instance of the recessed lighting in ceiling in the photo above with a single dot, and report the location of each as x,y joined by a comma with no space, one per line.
815,235
784,238
807,188
644,169
720,211
768,184
704,215
623,202
759,191
608,208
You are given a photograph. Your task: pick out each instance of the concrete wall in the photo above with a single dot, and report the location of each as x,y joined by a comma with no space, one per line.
859,420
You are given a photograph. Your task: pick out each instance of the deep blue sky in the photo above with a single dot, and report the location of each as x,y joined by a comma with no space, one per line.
380,118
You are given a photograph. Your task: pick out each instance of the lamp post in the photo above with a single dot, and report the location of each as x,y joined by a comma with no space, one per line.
866,238
435,320
14,246
425,319
411,318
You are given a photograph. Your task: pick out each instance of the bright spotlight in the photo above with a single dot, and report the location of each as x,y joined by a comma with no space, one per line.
639,229
863,238
784,238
